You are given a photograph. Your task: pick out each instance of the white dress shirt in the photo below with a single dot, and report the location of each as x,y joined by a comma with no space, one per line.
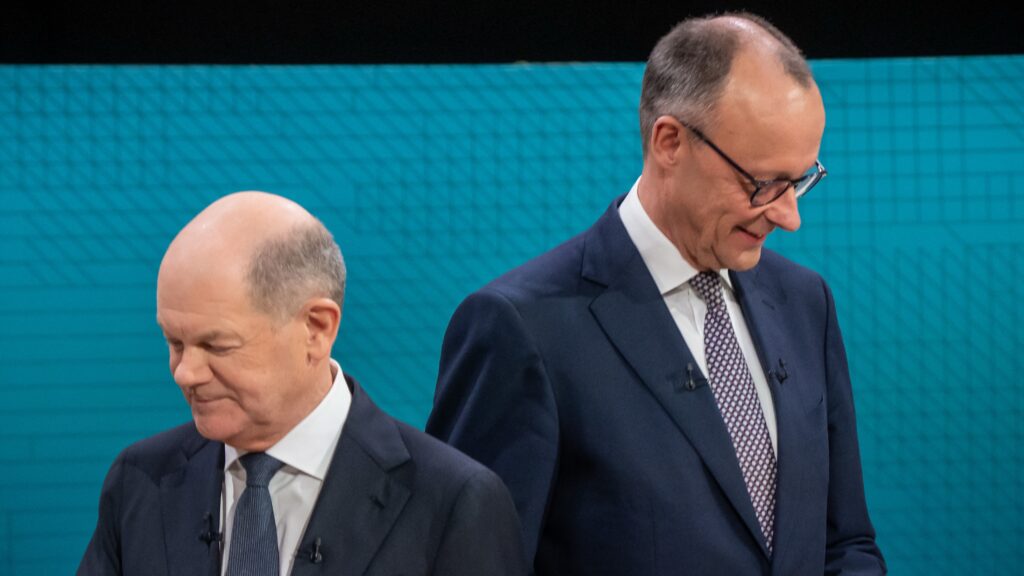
672,274
306,452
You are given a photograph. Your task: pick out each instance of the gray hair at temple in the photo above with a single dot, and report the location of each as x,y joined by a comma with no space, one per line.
688,67
286,271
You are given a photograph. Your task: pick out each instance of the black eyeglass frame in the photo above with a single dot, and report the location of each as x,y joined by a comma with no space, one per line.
800,186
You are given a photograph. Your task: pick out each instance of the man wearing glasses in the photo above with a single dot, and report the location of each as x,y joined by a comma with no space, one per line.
660,394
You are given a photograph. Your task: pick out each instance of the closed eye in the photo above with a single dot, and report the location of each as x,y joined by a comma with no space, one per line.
216,349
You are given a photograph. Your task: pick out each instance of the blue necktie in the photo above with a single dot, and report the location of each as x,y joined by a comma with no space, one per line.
254,532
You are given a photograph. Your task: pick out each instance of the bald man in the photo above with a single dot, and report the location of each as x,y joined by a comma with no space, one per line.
287,466
661,394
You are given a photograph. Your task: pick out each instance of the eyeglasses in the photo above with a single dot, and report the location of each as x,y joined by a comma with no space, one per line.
766,191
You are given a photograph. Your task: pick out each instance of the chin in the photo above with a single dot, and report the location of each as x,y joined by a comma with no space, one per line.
215,430
745,260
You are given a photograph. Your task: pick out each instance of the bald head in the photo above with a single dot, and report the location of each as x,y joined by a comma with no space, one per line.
280,252
691,65
243,219
249,301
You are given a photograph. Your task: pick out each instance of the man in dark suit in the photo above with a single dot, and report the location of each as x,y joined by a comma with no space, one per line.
288,466
660,394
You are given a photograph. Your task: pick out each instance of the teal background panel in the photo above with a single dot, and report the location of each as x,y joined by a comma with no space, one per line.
435,179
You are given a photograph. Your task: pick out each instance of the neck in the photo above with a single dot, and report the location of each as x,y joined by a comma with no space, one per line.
654,194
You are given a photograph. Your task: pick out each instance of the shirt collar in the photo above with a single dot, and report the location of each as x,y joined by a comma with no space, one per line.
667,266
309,446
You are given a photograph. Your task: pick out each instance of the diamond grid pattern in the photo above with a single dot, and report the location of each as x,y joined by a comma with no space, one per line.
737,400
436,179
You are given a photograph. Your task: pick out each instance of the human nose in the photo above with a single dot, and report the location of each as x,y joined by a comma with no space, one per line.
784,212
191,369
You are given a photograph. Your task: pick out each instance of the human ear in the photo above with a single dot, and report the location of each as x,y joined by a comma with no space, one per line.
321,317
667,141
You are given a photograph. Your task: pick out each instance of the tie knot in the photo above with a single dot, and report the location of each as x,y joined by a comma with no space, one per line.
709,286
260,467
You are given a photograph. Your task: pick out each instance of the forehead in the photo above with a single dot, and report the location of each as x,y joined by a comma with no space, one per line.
203,300
764,114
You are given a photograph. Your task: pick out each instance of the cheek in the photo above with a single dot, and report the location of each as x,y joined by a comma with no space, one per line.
289,368
729,217
290,350
716,225
725,226
234,374
250,381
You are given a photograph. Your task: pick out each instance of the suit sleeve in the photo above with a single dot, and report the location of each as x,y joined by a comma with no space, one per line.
850,538
494,402
482,533
103,555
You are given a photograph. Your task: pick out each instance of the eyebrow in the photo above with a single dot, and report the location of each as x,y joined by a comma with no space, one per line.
208,336
212,335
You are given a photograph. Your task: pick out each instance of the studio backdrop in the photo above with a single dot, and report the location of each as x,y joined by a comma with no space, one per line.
434,180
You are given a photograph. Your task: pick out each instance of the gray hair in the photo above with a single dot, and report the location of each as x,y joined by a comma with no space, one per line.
688,67
286,271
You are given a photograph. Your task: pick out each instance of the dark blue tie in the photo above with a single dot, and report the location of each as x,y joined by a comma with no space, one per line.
254,532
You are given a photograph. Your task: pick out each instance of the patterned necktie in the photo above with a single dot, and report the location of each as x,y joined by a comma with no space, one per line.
737,400
254,532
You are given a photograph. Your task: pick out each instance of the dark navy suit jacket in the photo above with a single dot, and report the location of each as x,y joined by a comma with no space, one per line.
395,501
568,377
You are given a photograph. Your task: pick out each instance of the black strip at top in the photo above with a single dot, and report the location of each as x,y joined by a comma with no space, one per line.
469,31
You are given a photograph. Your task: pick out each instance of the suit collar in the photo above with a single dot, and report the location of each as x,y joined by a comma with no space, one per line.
362,496
310,445
190,507
635,319
607,249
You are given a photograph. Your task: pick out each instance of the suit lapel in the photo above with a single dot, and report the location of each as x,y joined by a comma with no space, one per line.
190,508
634,317
361,497
763,302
